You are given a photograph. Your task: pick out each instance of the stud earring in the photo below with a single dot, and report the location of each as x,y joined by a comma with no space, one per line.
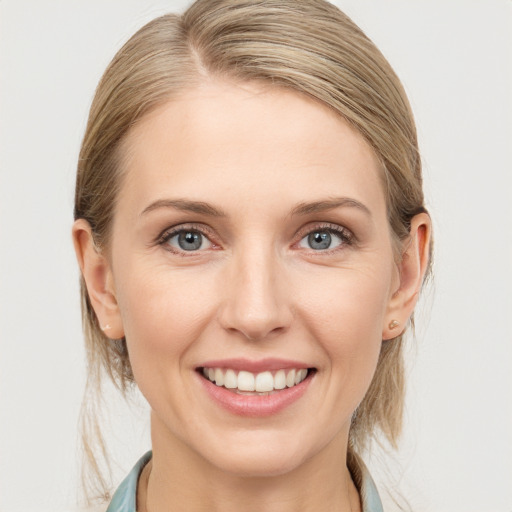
105,327
393,324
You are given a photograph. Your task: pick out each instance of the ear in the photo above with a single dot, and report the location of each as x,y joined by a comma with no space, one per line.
411,269
99,280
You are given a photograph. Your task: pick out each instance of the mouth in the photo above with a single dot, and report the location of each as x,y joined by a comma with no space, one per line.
257,389
263,383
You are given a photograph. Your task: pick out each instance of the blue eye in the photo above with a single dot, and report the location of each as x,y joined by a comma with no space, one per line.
188,240
323,239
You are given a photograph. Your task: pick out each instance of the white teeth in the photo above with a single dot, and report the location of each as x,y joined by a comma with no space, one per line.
263,383
290,378
280,380
300,375
219,377
245,381
230,380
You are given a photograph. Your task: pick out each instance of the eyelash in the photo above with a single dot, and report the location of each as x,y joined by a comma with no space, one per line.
168,234
346,236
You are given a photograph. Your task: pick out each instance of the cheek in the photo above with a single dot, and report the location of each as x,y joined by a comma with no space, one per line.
345,311
163,313
353,301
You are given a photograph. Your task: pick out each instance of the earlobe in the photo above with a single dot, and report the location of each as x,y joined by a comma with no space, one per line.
98,278
412,268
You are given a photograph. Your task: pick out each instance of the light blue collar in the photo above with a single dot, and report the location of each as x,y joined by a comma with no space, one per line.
125,498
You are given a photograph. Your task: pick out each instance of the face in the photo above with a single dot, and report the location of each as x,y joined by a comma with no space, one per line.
252,265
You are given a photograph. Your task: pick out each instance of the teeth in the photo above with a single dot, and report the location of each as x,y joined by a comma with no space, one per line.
264,382
219,377
290,378
245,381
248,383
300,375
280,380
230,379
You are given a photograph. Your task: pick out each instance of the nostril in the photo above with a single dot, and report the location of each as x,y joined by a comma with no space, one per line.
255,305
254,334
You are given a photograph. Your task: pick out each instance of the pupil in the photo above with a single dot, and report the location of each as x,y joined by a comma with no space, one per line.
319,240
189,241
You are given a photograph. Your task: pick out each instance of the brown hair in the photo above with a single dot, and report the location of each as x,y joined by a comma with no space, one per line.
310,47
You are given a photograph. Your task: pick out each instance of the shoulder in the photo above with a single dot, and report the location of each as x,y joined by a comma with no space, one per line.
370,499
125,497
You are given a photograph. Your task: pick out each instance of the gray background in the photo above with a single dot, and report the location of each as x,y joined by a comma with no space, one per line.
454,58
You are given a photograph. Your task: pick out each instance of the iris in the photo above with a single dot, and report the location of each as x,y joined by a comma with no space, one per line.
319,240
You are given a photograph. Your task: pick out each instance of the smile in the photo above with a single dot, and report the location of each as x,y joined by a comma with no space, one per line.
248,383
255,388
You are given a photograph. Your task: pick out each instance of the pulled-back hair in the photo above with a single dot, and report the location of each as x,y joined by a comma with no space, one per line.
307,46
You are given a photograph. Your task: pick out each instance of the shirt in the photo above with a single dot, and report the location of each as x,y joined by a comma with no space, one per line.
125,498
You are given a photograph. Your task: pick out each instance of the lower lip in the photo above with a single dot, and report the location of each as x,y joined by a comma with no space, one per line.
255,405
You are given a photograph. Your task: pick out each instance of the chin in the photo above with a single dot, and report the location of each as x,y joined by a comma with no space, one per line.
260,456
258,465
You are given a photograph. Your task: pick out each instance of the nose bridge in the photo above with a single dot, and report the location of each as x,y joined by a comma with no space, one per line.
255,302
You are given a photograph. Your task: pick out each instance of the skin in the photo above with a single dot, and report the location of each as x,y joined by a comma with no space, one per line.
255,289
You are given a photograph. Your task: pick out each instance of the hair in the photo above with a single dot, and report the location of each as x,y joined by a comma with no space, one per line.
309,47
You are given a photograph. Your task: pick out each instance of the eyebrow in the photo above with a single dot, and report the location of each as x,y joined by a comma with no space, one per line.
301,209
186,206
329,204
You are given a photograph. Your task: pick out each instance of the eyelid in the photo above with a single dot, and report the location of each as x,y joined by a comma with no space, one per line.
172,231
344,233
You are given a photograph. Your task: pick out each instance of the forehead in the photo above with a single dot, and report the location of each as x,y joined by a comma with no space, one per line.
247,144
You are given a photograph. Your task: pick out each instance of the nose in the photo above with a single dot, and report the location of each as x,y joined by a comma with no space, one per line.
256,301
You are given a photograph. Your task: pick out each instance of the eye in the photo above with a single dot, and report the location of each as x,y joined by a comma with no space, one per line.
187,240
325,239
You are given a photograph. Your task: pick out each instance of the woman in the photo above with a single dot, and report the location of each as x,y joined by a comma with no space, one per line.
252,236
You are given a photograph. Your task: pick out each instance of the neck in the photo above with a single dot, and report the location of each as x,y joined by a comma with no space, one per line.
178,479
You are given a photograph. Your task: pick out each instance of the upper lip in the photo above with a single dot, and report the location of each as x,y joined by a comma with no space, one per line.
254,366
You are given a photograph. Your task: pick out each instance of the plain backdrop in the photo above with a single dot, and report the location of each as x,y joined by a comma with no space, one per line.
455,59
